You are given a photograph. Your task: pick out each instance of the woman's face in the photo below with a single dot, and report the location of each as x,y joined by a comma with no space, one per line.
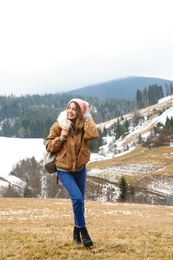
72,111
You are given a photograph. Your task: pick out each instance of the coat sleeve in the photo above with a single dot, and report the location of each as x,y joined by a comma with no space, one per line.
90,129
53,141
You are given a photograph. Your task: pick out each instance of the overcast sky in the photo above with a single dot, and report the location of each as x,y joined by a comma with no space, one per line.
49,46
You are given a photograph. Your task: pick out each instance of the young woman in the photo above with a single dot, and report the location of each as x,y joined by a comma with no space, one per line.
68,137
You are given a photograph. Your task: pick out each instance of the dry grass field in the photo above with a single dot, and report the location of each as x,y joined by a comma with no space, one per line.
42,229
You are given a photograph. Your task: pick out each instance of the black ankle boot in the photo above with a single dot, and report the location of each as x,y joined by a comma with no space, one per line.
76,235
85,237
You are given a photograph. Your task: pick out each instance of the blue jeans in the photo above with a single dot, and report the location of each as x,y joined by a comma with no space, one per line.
74,183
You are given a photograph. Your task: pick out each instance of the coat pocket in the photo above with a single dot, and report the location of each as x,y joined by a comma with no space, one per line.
83,157
63,160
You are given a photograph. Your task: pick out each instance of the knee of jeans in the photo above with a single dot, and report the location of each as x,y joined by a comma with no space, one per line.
77,201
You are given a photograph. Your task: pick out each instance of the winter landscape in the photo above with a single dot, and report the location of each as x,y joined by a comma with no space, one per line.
118,56
139,228
159,185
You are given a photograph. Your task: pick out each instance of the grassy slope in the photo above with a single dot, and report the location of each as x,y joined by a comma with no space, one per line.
42,229
162,156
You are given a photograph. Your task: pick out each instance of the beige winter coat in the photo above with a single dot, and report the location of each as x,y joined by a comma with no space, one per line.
73,153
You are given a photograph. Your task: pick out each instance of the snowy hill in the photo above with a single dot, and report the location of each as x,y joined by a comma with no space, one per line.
151,119
15,149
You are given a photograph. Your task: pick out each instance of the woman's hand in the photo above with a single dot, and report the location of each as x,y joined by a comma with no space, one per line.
64,133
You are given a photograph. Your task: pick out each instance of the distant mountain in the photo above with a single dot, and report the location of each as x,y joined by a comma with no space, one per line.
124,88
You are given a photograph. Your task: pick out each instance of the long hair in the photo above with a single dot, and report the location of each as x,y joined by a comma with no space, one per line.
79,123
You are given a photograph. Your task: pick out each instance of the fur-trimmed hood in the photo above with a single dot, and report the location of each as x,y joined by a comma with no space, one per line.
73,153
63,121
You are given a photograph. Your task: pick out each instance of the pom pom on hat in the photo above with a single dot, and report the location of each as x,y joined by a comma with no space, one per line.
83,104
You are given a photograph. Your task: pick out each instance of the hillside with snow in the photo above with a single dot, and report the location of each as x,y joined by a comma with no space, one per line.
13,150
144,128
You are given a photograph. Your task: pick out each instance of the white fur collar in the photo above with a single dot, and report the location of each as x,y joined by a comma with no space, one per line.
63,121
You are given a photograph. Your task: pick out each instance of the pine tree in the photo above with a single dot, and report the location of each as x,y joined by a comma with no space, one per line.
123,186
139,99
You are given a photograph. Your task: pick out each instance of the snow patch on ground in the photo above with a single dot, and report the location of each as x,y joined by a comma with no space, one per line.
112,173
15,181
162,186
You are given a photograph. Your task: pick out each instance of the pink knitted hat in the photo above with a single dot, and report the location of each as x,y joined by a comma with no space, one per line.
81,103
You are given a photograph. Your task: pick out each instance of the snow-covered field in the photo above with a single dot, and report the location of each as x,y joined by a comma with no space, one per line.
15,149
